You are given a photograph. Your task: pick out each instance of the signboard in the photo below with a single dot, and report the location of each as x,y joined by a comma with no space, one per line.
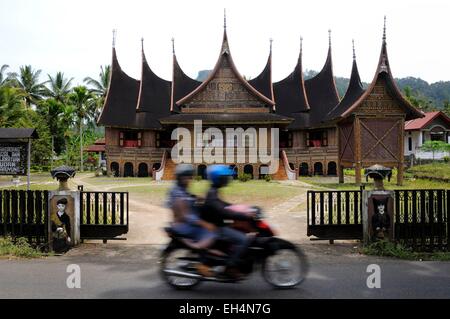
13,158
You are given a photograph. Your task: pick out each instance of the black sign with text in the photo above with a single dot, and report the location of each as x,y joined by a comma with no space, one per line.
13,158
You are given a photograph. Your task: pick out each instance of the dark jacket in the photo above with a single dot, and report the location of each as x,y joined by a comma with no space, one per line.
214,210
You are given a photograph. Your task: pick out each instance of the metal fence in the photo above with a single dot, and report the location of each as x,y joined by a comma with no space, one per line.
104,215
421,217
334,214
24,214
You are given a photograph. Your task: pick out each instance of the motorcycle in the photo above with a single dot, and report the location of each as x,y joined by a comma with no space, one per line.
283,265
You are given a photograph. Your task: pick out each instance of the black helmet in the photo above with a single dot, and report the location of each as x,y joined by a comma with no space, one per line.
184,170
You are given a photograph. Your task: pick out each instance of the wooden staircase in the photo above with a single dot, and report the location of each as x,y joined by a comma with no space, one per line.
169,170
280,175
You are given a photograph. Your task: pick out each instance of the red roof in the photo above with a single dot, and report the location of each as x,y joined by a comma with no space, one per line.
420,123
95,148
100,141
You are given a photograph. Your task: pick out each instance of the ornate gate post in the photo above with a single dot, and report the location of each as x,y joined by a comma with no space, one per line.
63,213
378,207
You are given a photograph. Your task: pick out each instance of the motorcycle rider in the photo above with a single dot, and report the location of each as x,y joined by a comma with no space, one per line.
187,222
216,211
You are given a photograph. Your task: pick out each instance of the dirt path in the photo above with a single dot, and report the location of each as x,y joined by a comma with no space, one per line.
148,218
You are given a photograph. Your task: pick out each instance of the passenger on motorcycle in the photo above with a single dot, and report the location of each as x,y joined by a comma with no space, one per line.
187,222
216,211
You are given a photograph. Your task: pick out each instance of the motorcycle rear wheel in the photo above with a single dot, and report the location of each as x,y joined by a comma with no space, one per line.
179,259
285,268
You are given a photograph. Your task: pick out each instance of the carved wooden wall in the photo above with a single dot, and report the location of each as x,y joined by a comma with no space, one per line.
224,91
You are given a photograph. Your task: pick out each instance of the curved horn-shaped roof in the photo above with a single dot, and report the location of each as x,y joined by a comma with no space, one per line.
225,54
182,84
120,103
384,72
354,91
322,92
263,82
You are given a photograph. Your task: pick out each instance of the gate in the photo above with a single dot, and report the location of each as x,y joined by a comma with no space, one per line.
334,215
24,214
421,217
103,215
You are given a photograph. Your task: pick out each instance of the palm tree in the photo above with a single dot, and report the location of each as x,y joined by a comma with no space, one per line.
58,87
11,107
28,81
100,86
81,100
3,78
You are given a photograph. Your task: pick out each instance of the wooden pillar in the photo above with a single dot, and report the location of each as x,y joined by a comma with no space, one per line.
358,159
401,154
340,172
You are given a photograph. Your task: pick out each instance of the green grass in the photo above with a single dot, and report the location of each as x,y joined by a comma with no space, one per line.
18,248
439,171
262,193
408,183
389,249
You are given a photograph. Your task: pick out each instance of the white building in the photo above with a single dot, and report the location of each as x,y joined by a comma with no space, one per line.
435,126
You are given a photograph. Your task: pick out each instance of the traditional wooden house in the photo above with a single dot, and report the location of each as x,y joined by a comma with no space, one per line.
319,133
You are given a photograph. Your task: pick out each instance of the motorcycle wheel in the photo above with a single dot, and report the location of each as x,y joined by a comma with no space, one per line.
179,259
285,268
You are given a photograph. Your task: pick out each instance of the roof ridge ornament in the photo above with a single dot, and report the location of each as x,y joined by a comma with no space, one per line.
301,45
270,41
353,45
224,18
114,32
329,38
384,30
173,45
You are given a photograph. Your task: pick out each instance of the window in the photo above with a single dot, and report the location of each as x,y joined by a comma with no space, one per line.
317,138
130,139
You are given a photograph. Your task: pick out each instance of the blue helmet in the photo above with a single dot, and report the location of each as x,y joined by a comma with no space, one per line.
219,175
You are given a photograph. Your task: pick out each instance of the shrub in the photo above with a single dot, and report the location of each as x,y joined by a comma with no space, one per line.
244,177
198,178
446,159
18,248
267,178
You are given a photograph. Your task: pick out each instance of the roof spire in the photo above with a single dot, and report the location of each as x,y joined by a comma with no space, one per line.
114,31
224,18
271,41
173,45
329,38
353,45
142,44
384,30
301,45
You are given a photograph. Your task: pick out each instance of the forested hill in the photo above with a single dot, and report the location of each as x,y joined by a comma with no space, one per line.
421,93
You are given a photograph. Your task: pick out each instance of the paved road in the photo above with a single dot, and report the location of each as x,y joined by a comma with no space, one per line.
124,271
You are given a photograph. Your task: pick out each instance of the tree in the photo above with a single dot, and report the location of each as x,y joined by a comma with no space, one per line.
58,87
435,146
81,100
100,86
4,79
11,107
28,81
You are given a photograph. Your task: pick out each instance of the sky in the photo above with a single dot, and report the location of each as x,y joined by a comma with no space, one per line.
76,36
